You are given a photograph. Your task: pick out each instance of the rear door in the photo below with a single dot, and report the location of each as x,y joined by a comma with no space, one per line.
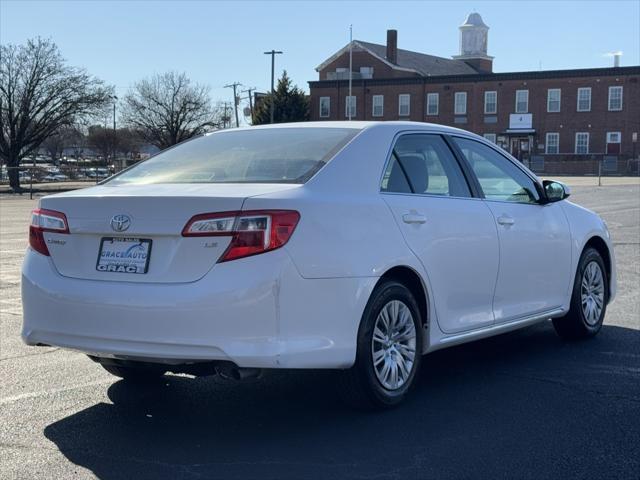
452,233
535,242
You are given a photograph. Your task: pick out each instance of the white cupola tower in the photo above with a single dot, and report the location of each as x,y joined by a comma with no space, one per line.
474,35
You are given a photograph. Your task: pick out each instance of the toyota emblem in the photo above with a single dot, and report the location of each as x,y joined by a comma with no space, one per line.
120,223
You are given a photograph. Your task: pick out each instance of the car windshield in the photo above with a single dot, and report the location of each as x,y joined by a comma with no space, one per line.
270,155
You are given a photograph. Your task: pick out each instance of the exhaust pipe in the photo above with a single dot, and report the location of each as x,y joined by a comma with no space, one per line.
235,373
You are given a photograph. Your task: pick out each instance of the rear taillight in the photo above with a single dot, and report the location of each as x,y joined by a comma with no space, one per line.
252,232
45,221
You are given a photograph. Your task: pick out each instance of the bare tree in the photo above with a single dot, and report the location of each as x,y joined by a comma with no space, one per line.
168,109
40,93
65,137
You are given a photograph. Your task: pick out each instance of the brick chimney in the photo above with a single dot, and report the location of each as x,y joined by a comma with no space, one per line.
392,46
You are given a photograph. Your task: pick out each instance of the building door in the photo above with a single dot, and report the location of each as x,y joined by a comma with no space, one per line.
515,147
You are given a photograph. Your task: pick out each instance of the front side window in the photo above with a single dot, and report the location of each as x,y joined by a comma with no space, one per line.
582,143
553,100
433,99
325,107
350,106
615,99
499,178
378,106
423,164
552,144
490,102
522,101
460,103
404,102
274,155
584,99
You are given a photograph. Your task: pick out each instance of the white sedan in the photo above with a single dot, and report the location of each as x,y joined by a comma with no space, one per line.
336,245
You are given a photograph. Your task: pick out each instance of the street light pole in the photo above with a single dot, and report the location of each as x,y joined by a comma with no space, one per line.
273,54
115,99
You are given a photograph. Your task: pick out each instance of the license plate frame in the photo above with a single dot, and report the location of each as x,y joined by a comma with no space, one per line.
130,265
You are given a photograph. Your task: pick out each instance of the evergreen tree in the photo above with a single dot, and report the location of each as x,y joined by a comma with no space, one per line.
291,104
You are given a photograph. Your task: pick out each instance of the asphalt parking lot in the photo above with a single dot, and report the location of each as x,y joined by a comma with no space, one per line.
521,405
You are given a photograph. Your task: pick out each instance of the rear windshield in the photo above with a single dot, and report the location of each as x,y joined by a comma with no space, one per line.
273,155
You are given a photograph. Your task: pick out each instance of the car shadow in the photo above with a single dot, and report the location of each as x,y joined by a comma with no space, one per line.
520,405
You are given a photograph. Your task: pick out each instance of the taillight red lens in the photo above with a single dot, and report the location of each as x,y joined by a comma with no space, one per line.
252,232
43,220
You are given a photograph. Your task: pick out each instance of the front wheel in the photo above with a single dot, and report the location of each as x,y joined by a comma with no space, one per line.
588,300
389,349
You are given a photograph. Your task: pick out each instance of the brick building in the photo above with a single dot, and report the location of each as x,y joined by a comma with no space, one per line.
558,121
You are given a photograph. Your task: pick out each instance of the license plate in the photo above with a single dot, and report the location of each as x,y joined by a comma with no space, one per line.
124,255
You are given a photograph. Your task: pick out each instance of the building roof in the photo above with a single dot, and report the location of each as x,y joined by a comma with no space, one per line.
420,63
474,20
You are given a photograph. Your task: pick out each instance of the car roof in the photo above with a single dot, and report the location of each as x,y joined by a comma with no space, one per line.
359,125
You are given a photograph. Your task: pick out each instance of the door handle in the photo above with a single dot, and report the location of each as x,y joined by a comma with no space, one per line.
506,220
413,218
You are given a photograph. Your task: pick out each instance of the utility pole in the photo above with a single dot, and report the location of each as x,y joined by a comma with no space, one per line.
115,99
235,85
226,116
273,54
350,68
248,91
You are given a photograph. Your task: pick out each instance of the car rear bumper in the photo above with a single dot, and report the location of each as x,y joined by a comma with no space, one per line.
256,312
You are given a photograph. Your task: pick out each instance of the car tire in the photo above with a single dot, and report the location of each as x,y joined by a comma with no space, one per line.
142,374
372,385
588,300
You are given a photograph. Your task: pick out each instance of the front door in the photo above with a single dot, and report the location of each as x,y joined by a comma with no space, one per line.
452,234
535,242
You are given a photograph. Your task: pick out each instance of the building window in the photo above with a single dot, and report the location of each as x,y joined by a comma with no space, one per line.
490,136
404,102
460,103
522,101
350,106
490,102
584,99
613,143
366,72
615,99
378,106
552,144
553,100
432,103
582,143
325,107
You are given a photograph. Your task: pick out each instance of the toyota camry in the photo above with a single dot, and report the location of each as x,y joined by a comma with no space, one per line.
354,246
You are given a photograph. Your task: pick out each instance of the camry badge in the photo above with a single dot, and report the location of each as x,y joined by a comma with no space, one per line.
120,223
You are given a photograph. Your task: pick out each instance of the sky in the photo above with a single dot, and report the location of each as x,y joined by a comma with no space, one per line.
217,43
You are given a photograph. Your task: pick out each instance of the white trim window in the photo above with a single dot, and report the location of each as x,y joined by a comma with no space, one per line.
350,104
552,143
490,136
377,109
490,103
614,137
553,100
433,101
584,99
325,107
582,143
404,104
615,98
522,101
460,103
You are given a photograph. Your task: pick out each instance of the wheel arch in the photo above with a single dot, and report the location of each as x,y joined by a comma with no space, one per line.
600,245
414,282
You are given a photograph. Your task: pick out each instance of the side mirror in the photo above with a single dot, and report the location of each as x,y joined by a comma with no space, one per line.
555,191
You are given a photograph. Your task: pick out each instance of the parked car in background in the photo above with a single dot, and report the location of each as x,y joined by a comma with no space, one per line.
55,177
355,246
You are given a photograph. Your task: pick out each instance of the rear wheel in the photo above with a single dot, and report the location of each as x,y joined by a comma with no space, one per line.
588,300
389,349
141,374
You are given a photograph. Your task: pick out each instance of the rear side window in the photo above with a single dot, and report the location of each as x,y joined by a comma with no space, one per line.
499,178
270,155
424,164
